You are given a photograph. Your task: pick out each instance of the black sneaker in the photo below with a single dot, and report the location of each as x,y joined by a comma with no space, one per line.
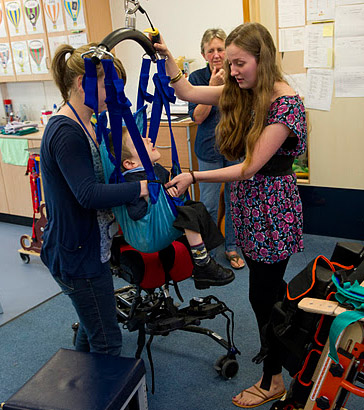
211,274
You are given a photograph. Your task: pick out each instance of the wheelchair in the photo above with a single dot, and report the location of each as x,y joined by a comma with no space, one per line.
146,305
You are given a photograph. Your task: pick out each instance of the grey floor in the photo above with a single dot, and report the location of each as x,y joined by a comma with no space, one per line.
32,331
22,286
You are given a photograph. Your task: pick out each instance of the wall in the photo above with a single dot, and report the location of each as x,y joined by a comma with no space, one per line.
336,144
34,96
336,141
181,24
333,200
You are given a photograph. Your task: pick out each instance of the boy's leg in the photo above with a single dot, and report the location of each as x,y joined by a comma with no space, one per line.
206,271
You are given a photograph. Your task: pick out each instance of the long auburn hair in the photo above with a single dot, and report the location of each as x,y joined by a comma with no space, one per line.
244,112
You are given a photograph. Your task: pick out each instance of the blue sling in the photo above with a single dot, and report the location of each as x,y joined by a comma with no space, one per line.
155,230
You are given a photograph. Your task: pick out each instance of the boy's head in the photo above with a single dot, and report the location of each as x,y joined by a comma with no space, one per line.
129,156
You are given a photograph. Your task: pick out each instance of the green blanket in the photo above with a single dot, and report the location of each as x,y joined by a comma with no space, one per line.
14,151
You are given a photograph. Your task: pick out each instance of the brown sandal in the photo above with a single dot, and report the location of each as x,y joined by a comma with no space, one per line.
235,258
259,393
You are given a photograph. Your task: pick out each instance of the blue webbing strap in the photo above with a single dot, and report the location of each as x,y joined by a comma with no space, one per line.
115,118
119,109
352,294
161,82
89,84
143,94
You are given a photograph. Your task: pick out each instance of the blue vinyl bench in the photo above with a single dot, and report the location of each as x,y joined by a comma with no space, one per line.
73,380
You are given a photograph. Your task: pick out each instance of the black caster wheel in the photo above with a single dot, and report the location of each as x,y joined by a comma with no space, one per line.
75,330
229,369
25,258
219,362
226,367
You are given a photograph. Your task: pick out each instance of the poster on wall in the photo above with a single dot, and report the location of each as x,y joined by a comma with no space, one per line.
291,13
15,18
2,23
37,55
75,19
6,63
318,10
33,16
318,50
53,15
56,41
77,40
21,57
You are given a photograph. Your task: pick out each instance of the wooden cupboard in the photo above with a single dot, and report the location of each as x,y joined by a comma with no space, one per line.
184,134
15,194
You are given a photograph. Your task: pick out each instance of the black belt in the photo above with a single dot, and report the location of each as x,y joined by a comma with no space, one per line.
278,165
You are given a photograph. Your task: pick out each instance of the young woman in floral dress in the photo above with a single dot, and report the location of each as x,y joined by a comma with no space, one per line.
263,123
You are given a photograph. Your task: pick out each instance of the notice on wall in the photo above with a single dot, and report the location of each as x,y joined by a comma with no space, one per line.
349,51
349,82
77,40
349,21
33,16
291,13
2,23
318,10
298,82
6,63
318,50
53,15
37,55
291,39
15,18
75,19
56,41
21,57
320,84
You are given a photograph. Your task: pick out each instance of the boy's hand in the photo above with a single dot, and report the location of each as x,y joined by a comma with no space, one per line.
181,182
173,191
144,192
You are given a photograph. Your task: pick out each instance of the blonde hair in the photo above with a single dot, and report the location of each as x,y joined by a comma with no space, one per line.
126,152
209,35
67,65
244,113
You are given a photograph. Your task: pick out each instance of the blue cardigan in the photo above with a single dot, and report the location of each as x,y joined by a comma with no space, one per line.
71,239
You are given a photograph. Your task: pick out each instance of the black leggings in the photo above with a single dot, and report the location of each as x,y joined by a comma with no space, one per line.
266,285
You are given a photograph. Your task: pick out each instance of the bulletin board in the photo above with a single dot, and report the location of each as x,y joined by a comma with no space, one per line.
336,137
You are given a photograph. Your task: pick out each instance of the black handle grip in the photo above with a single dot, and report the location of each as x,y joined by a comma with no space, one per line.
156,38
121,34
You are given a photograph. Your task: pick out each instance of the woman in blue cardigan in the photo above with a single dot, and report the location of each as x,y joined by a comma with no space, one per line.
78,235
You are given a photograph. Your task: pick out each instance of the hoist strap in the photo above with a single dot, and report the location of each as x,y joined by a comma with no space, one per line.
143,94
119,110
89,84
352,294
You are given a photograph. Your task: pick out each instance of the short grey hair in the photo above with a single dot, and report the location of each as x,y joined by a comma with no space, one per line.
210,34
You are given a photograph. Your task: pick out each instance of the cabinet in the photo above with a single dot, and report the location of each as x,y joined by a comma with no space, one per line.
184,134
15,193
31,30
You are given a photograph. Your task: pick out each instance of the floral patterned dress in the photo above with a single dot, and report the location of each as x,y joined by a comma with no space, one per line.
267,210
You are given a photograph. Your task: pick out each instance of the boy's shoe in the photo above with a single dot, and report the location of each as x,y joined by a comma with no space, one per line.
211,274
